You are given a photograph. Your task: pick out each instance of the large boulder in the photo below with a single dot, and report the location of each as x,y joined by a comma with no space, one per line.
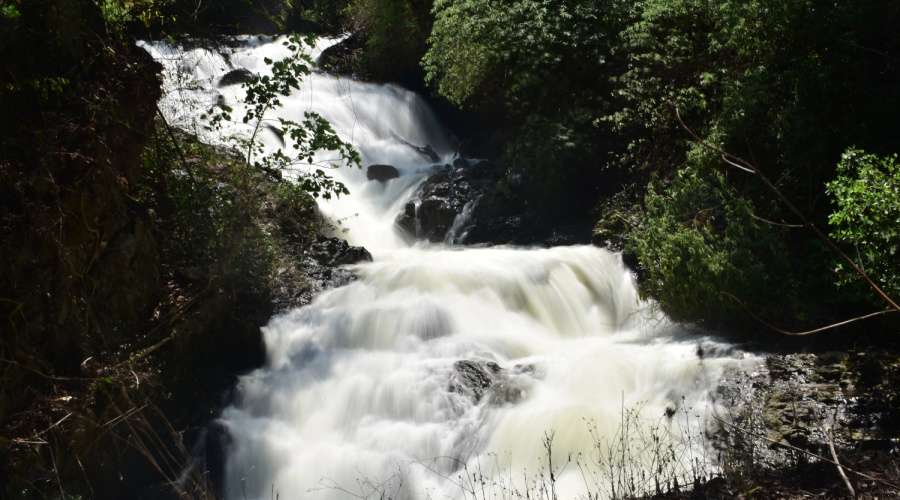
235,77
473,378
476,202
382,173
320,266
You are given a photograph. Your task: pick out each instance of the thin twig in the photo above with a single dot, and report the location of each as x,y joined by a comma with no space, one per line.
38,435
817,330
840,468
62,494
173,317
776,223
171,133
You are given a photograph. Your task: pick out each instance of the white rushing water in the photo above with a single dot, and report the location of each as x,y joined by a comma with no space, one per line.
364,393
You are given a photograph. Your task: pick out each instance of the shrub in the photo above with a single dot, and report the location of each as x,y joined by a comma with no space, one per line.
698,239
867,217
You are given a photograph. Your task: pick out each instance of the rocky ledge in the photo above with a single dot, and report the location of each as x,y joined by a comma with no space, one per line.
318,266
779,417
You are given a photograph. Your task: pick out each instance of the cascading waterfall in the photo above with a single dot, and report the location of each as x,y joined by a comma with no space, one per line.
441,361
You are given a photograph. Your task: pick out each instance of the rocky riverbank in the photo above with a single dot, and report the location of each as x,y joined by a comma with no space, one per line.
783,419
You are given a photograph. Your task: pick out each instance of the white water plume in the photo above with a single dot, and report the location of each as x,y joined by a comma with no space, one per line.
441,361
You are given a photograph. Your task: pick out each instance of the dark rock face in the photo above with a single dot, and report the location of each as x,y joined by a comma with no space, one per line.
794,398
442,199
318,267
337,252
344,58
382,173
463,204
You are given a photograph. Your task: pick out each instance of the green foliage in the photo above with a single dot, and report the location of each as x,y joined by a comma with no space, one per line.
867,217
215,215
387,22
307,138
544,66
9,11
786,86
519,51
119,13
327,15
699,239
394,34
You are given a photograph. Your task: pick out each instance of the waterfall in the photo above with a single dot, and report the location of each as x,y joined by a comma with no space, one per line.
444,371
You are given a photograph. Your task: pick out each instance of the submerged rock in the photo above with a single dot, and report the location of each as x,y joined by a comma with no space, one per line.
480,379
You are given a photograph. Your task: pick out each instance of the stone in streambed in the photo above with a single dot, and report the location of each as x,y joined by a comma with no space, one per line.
473,378
382,173
235,77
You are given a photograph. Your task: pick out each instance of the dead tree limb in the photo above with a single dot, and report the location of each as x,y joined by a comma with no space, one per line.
817,330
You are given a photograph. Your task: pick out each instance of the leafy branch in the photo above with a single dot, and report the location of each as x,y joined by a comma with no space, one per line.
308,137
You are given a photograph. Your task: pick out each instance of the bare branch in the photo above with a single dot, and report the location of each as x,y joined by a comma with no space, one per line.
777,223
817,330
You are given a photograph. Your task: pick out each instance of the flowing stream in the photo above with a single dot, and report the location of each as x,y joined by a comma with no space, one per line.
446,371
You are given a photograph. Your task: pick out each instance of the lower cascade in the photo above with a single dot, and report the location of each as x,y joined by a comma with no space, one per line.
446,371
440,363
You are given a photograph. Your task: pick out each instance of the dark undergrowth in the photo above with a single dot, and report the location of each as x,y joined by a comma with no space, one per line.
133,288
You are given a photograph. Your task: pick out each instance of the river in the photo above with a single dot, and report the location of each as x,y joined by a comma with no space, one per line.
446,371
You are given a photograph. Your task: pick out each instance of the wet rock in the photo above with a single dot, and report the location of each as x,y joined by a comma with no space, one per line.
464,203
406,225
436,216
464,197
343,58
236,77
485,379
382,173
499,230
318,267
333,251
572,234
794,398
473,378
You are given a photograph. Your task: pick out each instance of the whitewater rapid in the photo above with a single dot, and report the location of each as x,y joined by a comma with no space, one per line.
368,392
